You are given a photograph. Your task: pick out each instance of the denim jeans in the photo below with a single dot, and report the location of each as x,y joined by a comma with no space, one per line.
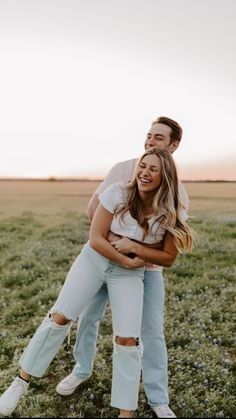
154,360
88,274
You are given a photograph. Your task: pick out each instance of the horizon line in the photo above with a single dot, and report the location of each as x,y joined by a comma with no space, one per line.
91,179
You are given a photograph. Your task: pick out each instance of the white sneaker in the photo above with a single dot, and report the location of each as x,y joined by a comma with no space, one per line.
163,411
70,383
11,397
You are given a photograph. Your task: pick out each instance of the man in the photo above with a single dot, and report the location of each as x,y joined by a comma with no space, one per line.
166,134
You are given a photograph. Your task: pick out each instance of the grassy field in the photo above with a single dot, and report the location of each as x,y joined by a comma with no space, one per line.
42,229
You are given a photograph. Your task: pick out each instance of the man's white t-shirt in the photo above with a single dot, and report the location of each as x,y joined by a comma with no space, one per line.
123,171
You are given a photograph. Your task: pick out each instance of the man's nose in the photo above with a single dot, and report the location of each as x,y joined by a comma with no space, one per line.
151,142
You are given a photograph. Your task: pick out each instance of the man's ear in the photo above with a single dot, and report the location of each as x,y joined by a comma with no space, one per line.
173,146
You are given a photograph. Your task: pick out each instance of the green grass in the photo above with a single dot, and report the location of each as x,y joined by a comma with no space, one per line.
34,260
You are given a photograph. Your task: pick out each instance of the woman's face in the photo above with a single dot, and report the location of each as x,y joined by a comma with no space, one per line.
148,173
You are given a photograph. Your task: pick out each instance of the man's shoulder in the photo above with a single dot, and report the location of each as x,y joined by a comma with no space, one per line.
126,163
122,170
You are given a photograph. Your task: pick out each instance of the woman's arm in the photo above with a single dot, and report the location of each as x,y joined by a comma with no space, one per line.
99,230
164,257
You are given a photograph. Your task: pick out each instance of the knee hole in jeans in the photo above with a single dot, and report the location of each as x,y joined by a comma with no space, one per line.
59,319
127,341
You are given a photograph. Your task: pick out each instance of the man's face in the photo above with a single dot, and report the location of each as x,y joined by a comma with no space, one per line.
159,136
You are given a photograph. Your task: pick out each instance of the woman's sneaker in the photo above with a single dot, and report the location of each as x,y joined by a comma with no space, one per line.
11,397
163,411
69,384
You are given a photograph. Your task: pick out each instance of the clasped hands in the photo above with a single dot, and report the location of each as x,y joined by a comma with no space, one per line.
125,246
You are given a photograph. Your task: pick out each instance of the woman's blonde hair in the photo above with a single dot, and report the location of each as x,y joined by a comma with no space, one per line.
166,203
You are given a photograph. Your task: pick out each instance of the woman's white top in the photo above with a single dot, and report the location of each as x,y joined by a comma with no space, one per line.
113,198
123,171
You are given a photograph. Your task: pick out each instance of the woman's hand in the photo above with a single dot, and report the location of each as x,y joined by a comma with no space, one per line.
123,245
134,263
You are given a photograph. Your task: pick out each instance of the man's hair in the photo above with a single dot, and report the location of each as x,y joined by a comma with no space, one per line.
176,130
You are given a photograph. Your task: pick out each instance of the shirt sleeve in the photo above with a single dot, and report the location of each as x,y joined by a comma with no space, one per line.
184,200
112,196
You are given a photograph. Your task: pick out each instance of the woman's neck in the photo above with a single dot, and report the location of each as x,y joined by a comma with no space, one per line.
146,203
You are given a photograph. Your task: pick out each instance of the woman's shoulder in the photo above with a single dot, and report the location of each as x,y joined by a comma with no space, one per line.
117,187
116,191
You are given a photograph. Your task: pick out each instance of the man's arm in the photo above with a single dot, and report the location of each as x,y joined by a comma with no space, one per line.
92,206
112,177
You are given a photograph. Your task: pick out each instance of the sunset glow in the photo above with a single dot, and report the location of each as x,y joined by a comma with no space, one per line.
81,82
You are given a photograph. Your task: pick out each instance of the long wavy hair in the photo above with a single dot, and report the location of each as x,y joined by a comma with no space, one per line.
166,203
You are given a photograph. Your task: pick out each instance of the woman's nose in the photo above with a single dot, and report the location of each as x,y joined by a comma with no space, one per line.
145,171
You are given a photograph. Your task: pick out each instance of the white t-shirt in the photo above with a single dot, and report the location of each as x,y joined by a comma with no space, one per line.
111,199
123,171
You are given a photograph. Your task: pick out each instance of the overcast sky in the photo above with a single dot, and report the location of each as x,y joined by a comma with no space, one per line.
81,81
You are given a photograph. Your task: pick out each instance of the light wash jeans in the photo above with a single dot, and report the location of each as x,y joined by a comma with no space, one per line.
154,360
88,274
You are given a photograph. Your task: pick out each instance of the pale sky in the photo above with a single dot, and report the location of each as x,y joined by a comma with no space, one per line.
82,80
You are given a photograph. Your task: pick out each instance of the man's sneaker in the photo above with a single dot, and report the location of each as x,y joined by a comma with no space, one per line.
67,386
11,397
163,411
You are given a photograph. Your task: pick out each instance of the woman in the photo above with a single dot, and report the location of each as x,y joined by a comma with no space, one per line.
144,211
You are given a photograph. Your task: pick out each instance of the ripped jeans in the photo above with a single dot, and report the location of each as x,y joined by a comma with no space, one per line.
86,276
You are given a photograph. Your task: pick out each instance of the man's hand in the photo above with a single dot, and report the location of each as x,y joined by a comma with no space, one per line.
123,245
135,263
111,237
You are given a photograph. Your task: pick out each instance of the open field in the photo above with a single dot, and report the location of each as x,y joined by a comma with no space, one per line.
42,229
51,199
